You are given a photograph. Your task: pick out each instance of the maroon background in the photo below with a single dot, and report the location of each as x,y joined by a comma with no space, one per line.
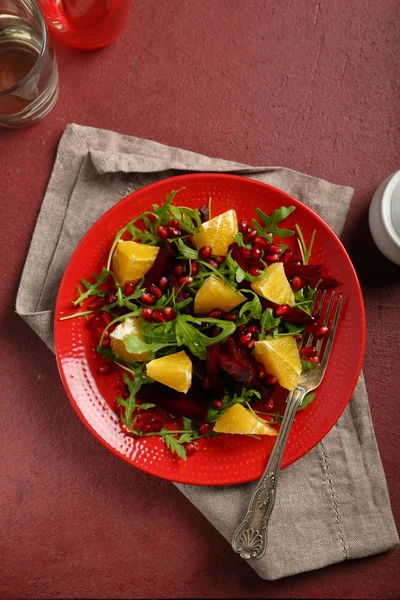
307,85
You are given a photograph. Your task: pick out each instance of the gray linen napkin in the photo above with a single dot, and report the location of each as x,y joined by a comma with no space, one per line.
333,503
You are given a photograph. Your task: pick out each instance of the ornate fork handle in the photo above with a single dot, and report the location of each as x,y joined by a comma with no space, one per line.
250,538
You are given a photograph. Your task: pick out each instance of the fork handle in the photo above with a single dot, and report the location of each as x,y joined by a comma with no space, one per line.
250,538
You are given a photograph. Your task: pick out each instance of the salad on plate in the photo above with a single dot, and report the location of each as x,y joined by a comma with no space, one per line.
202,316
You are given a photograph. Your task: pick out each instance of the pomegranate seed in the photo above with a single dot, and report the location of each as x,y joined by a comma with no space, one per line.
173,232
154,291
183,280
245,253
172,416
243,226
253,329
251,235
205,252
217,404
287,256
96,303
298,337
206,383
270,404
254,272
147,314
312,327
162,232
230,316
280,310
219,260
242,329
275,249
310,351
138,241
272,258
262,243
105,318
297,284
314,359
250,345
204,428
256,253
179,270
106,343
191,448
272,379
106,368
212,263
321,332
153,427
129,288
195,268
174,223
260,370
158,316
168,313
147,298
216,313
244,339
163,283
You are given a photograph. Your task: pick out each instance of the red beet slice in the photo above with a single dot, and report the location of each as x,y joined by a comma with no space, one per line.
204,213
239,370
298,317
162,265
328,283
293,270
190,405
212,370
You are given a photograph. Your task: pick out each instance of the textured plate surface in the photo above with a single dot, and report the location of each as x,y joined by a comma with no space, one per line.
226,459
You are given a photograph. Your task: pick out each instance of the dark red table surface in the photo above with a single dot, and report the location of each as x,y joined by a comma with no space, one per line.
308,85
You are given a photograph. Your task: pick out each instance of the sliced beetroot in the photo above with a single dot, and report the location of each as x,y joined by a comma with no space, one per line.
238,369
233,350
328,283
162,265
212,370
293,270
297,317
190,405
204,213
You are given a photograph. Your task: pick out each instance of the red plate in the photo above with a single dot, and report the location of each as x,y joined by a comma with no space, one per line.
225,459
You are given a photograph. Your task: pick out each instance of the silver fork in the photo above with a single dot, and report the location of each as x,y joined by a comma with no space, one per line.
250,538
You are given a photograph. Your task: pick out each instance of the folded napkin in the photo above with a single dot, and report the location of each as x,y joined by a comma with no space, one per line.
333,503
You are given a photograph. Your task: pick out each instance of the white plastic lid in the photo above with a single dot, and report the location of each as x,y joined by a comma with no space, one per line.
391,208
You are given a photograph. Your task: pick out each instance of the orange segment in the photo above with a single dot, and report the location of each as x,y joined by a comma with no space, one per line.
281,358
132,260
174,370
274,286
241,420
129,327
218,233
214,293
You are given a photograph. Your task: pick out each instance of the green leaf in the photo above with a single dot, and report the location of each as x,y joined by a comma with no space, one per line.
252,309
238,238
91,289
174,445
305,252
268,322
228,400
308,398
186,251
134,385
270,223
306,365
134,345
197,342
161,212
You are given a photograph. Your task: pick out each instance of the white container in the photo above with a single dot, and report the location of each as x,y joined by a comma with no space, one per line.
384,217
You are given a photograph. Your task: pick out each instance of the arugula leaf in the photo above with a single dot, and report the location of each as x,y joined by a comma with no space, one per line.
305,252
268,322
290,330
306,365
270,224
238,238
146,236
239,274
308,398
159,333
130,404
253,309
161,212
173,444
185,250
135,345
197,342
228,400
91,289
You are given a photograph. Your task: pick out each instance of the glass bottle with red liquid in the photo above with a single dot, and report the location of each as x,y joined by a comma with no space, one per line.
86,24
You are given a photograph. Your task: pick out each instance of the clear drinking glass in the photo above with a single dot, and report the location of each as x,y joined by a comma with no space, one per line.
28,67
